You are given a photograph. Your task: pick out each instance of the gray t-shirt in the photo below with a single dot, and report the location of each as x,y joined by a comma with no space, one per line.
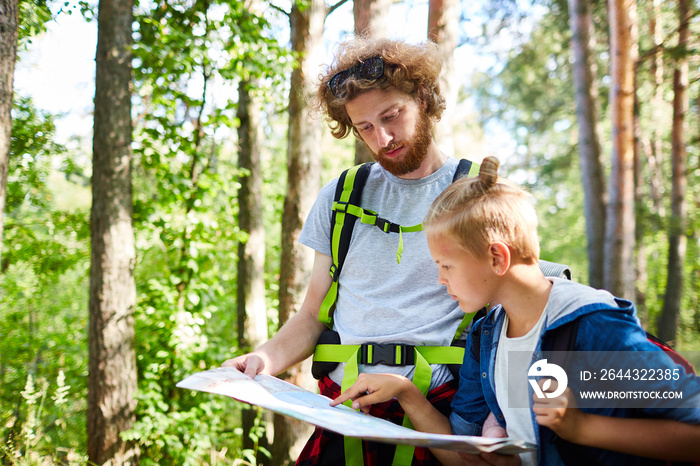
379,300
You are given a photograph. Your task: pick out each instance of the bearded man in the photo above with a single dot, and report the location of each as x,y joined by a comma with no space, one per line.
386,93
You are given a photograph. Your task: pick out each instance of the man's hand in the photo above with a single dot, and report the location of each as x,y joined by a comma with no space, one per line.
250,364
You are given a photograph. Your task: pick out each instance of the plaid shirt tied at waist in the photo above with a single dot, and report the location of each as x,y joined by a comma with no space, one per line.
325,448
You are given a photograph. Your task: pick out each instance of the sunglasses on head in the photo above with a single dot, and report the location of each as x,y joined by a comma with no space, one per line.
370,69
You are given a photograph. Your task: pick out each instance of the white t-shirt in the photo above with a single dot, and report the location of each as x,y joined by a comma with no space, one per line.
380,300
511,383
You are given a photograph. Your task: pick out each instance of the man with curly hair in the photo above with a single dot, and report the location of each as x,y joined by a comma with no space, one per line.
386,93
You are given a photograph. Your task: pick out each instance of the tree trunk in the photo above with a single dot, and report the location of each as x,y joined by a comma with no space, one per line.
303,184
668,321
371,18
251,307
443,29
590,153
8,56
112,383
252,310
648,169
657,102
640,258
620,226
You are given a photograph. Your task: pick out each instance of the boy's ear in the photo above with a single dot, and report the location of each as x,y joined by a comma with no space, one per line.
500,257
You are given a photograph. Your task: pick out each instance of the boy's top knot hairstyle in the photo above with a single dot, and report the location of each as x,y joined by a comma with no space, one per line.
411,68
486,209
488,172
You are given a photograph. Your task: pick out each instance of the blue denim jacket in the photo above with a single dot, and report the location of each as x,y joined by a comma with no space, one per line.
605,324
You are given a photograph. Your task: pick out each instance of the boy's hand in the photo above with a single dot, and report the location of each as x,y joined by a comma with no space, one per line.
561,414
371,389
492,428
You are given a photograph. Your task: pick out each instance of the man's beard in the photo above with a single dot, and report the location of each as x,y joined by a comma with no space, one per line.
416,153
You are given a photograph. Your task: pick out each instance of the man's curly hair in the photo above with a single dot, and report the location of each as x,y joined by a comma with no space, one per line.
411,68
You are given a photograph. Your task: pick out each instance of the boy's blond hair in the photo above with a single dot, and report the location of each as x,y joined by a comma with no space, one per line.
484,210
411,68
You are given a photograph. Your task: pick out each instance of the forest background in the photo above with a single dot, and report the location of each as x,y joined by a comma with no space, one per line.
592,105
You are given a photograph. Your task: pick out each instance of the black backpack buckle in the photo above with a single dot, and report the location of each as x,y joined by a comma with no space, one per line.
386,226
383,224
386,353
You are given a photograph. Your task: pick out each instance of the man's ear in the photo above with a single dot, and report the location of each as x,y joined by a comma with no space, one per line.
499,254
422,98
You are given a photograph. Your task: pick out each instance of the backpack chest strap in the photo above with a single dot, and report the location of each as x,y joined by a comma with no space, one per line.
389,354
370,217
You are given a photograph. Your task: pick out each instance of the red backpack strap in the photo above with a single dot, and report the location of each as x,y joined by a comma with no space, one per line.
673,354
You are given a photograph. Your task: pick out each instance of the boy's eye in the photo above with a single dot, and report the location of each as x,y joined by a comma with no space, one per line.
391,116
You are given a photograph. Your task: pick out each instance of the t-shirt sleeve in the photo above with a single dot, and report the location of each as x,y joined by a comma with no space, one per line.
316,232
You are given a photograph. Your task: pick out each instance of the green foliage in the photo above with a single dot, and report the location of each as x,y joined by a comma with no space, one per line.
189,59
185,214
531,95
42,291
42,278
563,206
32,17
41,431
655,127
32,147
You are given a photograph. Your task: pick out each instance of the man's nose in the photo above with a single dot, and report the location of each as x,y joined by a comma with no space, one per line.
384,139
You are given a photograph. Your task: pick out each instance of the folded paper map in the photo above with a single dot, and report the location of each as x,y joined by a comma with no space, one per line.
284,398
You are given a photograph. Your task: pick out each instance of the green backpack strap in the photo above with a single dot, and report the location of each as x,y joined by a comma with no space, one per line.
422,357
466,168
370,217
348,191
